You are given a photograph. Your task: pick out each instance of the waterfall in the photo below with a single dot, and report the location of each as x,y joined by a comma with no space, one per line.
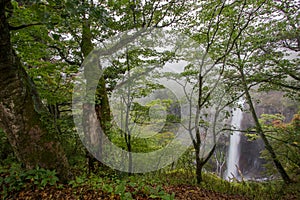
234,150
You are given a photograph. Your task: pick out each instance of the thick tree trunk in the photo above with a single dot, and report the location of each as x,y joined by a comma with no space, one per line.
101,106
102,102
22,115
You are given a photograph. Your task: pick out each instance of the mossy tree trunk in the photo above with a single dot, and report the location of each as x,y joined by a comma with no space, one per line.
22,114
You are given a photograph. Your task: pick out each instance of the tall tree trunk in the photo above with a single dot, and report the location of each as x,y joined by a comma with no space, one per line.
260,132
22,114
102,101
101,106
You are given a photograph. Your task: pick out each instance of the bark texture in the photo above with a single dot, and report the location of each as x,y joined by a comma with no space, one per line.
22,115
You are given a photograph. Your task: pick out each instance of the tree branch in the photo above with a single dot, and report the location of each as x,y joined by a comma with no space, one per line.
61,54
14,28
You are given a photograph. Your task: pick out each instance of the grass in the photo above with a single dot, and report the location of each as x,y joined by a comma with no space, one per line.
274,189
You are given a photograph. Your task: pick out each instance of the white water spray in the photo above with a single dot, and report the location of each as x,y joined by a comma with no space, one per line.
234,150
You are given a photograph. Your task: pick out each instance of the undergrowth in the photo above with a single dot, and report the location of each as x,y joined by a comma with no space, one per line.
274,189
14,179
150,185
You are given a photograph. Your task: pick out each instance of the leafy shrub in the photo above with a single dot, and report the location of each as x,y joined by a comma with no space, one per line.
16,179
125,188
285,140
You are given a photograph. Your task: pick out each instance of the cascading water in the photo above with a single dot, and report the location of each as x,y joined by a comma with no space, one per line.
234,150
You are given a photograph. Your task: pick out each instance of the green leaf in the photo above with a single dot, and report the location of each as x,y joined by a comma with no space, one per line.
56,36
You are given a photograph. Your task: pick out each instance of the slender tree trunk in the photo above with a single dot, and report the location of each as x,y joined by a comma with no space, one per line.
102,107
260,132
130,167
200,162
199,166
23,117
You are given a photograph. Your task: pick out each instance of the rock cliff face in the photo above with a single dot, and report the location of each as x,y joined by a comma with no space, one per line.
250,163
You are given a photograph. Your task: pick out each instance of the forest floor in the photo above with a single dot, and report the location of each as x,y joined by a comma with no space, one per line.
40,184
185,192
181,192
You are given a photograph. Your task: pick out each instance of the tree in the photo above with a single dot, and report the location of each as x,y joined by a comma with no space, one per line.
258,126
148,14
216,28
23,116
52,70
243,59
